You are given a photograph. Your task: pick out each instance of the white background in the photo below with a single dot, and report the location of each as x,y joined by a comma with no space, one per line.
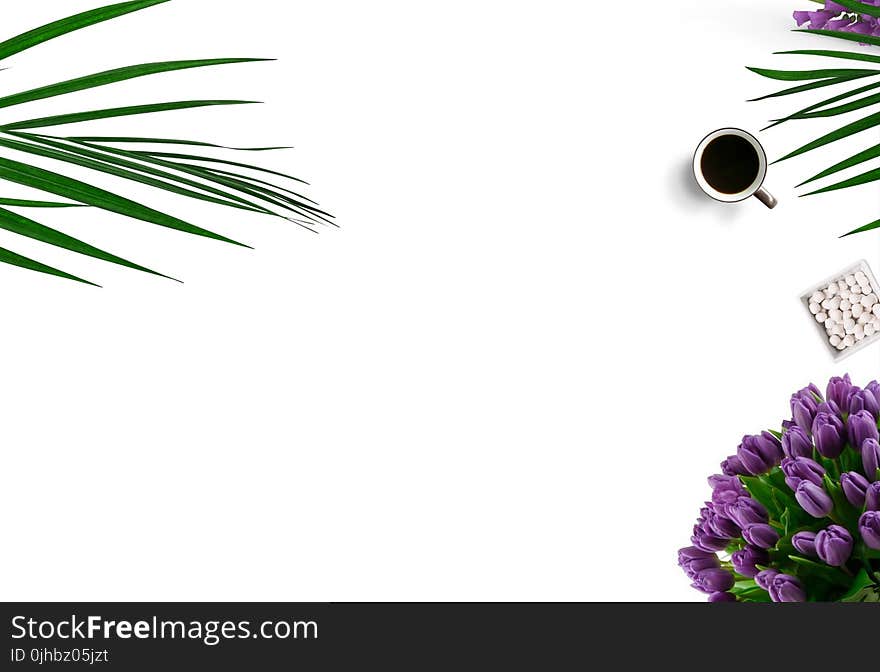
508,374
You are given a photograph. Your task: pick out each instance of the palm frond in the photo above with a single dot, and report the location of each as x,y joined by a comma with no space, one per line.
180,174
835,105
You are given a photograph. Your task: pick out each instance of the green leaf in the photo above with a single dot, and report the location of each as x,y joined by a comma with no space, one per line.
27,227
862,587
867,227
77,117
13,259
842,109
864,178
66,187
55,29
852,37
855,159
859,7
191,157
864,124
801,75
113,76
826,572
313,212
165,141
19,203
850,55
809,87
70,155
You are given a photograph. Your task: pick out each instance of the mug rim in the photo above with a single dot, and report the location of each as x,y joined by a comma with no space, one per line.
749,191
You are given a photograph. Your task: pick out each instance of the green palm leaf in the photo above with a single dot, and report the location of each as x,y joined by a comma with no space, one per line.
14,259
856,159
831,81
171,173
834,106
829,101
77,117
114,76
19,203
52,30
27,227
801,75
165,141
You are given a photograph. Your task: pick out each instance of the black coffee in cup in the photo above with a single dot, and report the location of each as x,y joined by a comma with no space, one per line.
730,164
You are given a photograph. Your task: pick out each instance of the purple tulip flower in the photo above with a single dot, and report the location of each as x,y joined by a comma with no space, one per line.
765,578
746,511
714,580
829,435
786,588
854,487
869,528
759,453
706,540
805,543
834,545
722,597
862,427
871,458
745,561
863,400
839,391
718,524
796,443
813,499
802,469
693,560
874,388
733,466
872,497
761,535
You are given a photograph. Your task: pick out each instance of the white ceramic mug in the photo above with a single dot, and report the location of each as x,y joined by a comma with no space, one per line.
743,177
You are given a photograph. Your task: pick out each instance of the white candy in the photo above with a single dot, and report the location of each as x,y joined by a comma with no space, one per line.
848,308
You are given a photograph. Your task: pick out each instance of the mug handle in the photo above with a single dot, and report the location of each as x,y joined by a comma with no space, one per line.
766,198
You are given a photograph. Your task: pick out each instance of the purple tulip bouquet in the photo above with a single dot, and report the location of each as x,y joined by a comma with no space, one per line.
795,515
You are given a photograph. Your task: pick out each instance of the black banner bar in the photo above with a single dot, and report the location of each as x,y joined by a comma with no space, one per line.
285,636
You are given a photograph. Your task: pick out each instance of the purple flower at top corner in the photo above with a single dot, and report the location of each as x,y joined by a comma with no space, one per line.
839,18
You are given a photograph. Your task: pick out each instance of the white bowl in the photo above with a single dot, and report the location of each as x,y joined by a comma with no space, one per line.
836,354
